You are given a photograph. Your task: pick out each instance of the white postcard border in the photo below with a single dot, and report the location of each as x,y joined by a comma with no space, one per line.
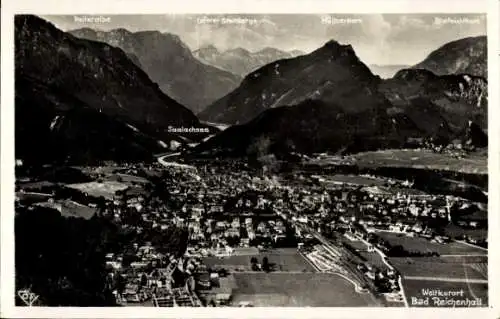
243,6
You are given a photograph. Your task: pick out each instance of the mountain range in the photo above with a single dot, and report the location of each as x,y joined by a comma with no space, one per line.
330,100
241,61
463,56
171,64
467,55
456,97
318,75
82,100
331,71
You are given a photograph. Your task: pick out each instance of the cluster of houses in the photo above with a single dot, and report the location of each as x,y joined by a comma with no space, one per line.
225,211
165,281
222,237
396,210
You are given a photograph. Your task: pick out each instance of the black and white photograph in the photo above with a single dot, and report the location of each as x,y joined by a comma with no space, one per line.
251,160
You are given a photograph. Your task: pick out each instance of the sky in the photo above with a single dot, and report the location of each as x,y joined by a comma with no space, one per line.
376,38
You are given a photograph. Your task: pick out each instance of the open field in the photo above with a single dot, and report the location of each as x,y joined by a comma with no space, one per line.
74,209
32,197
126,178
298,290
35,185
374,259
433,267
424,159
424,245
354,180
371,257
413,288
245,251
404,191
285,259
455,231
460,259
106,189
105,170
69,208
356,244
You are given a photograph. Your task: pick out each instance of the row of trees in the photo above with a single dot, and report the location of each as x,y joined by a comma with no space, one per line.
398,250
265,266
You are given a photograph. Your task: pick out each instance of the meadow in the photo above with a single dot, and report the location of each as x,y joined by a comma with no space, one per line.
435,268
423,159
298,290
284,259
424,245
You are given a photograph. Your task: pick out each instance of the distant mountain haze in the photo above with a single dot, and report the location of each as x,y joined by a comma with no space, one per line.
467,56
170,63
296,52
241,61
463,56
84,100
386,71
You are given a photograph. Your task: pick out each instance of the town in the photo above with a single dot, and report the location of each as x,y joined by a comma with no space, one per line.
232,222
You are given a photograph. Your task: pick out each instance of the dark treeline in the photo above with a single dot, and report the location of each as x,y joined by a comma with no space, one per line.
398,250
61,259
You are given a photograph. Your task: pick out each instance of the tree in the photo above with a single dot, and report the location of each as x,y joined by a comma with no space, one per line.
255,267
290,145
259,147
120,283
128,258
101,203
144,280
233,241
222,272
269,162
265,264
397,251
